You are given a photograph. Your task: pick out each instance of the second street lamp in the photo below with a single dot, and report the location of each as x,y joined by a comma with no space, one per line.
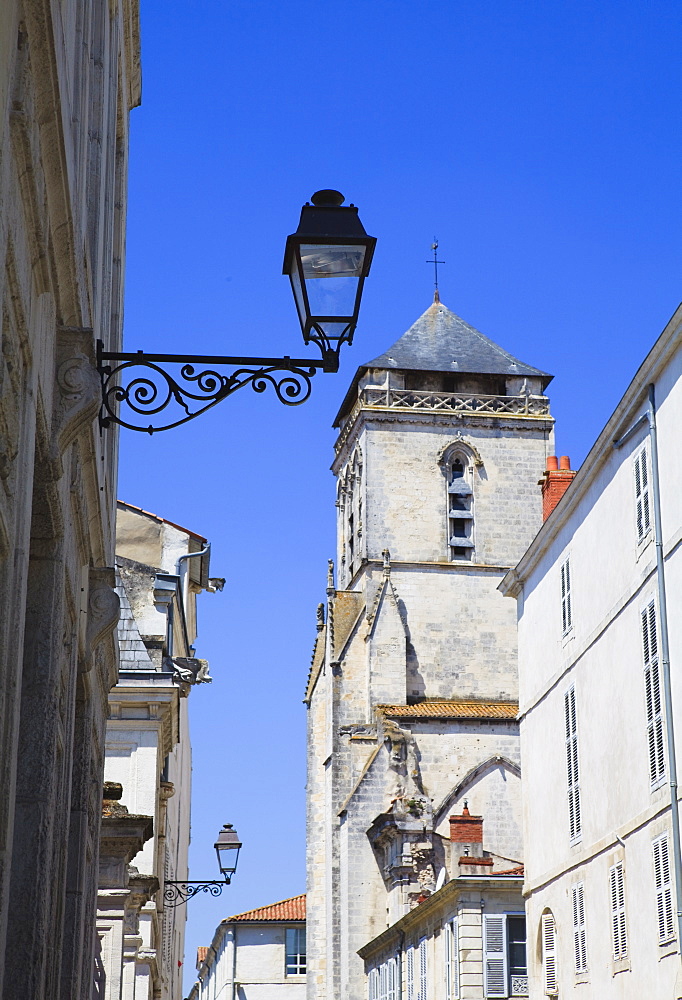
327,260
227,847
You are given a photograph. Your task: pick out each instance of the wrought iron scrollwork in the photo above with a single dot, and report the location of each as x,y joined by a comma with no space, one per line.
177,893
140,383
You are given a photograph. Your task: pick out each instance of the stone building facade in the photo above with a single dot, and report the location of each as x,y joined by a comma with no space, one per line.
599,782
69,75
161,569
412,693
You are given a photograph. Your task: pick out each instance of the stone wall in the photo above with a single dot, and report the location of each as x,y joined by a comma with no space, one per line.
69,74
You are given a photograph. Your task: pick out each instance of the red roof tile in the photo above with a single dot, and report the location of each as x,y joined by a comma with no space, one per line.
287,909
202,952
511,871
453,710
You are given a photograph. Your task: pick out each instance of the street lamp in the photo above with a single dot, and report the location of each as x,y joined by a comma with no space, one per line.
227,848
327,260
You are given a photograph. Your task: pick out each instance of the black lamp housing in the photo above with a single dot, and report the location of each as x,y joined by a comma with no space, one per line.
327,260
227,848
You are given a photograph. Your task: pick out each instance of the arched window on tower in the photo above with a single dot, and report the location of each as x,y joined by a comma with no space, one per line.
460,508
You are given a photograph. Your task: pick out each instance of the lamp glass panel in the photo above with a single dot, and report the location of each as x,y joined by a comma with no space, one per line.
298,293
341,269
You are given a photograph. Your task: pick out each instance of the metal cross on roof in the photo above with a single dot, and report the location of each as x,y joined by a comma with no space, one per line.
435,262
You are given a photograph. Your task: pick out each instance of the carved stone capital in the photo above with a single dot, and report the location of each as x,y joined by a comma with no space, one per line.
78,394
104,605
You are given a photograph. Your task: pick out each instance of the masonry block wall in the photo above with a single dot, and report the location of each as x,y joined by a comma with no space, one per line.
409,628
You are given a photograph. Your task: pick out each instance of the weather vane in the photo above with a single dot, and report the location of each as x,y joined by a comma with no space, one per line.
435,262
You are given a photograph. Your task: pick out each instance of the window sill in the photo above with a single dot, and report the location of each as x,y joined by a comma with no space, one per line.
666,948
643,545
621,965
567,637
582,979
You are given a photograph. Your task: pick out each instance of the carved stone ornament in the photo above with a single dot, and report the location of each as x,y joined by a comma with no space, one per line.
459,439
78,397
104,606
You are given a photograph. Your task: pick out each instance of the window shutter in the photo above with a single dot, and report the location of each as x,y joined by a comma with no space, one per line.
566,613
451,938
579,931
652,691
410,973
664,897
572,770
495,955
618,928
391,979
423,976
642,502
549,954
373,992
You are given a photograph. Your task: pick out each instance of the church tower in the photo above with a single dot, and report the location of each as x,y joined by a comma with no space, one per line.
412,690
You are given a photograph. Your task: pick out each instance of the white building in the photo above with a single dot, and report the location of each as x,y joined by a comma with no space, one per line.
412,693
161,568
600,842
256,955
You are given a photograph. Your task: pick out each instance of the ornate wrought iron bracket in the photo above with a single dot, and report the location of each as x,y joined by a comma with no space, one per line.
139,384
177,893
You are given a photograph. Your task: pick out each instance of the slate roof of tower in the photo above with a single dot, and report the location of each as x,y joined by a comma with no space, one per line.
441,341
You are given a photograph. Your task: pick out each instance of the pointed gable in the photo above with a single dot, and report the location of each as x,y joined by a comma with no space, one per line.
441,341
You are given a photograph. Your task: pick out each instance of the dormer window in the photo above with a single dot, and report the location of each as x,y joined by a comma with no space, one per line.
460,509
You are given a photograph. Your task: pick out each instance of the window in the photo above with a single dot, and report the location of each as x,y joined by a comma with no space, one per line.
504,955
549,954
460,509
664,892
652,691
417,979
618,928
383,981
642,503
579,930
573,775
566,613
451,942
295,948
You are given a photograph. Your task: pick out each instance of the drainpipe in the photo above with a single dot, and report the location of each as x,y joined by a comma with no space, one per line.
650,418
183,573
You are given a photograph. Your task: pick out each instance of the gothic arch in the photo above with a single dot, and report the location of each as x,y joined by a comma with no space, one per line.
460,445
469,778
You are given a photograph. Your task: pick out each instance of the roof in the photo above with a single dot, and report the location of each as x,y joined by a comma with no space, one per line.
287,909
511,871
162,520
441,341
453,710
202,952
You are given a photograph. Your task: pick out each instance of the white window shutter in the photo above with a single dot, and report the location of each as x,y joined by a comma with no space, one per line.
572,769
642,502
451,942
409,961
495,955
392,979
423,971
652,692
549,962
618,927
373,991
579,929
664,896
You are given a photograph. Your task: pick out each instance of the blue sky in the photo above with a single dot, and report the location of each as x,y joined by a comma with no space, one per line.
540,141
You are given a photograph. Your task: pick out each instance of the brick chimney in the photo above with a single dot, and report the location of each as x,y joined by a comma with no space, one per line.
557,478
466,837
